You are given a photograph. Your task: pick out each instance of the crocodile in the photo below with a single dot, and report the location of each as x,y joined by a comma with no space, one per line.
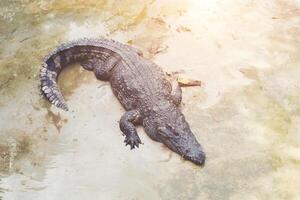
148,96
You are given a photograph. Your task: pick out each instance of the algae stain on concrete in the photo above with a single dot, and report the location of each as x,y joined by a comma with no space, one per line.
4,158
14,150
278,118
56,119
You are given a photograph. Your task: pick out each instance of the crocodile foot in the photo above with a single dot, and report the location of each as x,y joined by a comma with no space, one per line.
133,141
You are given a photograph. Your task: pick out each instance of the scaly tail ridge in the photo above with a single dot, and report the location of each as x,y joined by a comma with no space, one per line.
75,51
50,88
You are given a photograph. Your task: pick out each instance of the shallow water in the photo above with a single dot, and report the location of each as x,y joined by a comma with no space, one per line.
246,115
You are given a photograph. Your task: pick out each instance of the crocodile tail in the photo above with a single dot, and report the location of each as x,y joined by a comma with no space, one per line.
67,53
48,77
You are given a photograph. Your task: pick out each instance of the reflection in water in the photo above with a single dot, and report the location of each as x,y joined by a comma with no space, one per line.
246,114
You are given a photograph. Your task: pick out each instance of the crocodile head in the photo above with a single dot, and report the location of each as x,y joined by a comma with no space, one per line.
171,129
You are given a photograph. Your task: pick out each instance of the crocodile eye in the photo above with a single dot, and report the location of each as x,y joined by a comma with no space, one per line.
166,132
171,129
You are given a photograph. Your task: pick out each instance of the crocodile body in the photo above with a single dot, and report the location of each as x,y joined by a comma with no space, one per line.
140,85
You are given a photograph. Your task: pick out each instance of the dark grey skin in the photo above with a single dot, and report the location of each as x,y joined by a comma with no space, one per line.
140,85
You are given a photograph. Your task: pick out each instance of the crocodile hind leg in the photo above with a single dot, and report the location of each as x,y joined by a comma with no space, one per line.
101,68
127,122
176,93
90,64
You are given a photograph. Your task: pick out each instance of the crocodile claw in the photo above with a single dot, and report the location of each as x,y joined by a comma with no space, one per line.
133,141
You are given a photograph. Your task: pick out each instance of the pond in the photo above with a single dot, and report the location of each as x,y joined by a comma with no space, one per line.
246,114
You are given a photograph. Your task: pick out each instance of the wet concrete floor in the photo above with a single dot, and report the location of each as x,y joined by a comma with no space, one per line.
246,114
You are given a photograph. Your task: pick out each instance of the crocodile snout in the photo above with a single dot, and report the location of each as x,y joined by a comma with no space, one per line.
197,157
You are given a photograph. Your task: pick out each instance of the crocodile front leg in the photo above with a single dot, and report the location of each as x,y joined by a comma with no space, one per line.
176,93
127,122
